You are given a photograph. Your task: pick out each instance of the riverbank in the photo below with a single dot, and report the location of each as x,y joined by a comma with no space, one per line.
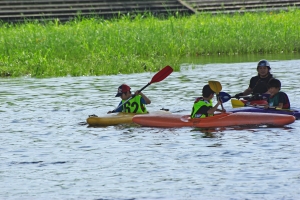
86,47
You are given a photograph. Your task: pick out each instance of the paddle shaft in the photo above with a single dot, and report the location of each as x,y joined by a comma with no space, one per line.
226,97
219,99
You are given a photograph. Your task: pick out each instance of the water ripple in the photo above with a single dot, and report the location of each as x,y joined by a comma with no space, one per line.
48,151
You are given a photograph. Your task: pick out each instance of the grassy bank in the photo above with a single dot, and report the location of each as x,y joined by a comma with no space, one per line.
145,43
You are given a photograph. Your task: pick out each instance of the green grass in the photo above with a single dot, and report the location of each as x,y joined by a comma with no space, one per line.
92,46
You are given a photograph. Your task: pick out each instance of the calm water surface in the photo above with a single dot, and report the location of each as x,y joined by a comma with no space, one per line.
46,152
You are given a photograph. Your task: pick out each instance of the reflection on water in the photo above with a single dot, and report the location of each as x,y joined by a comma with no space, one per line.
47,152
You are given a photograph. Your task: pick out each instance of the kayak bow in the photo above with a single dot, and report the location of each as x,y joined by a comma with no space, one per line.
116,118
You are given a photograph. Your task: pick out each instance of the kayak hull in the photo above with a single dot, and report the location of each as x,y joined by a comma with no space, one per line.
218,120
116,118
293,112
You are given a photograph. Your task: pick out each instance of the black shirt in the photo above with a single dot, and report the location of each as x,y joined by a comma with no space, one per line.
259,85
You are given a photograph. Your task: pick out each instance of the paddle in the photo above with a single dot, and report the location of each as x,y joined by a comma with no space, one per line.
216,87
226,97
237,103
159,76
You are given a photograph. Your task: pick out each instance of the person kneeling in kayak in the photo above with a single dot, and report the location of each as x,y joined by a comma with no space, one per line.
277,98
203,105
131,103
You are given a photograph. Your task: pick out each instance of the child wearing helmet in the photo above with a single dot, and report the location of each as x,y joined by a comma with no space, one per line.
203,105
131,104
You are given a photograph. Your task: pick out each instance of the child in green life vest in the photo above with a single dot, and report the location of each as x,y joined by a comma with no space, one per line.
203,105
133,105
277,98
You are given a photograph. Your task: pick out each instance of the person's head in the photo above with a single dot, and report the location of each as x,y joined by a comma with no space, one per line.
207,92
274,86
124,92
263,68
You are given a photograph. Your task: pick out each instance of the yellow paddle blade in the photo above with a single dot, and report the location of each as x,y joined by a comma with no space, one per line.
215,86
237,103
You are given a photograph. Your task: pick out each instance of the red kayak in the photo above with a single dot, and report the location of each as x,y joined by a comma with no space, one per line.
218,120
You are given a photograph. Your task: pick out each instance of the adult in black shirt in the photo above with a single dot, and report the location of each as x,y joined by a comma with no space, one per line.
258,84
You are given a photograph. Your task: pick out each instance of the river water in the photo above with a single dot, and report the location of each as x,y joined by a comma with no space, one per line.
47,152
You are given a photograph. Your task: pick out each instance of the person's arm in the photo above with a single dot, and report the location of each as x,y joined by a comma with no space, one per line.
120,109
247,91
252,84
147,100
213,109
282,100
203,110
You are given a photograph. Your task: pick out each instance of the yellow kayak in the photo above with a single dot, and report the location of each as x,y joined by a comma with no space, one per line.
116,118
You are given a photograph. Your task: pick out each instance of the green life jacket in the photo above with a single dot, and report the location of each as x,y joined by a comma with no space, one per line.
197,105
134,105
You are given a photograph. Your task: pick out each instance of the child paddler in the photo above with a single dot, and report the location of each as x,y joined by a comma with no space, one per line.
137,104
278,99
203,105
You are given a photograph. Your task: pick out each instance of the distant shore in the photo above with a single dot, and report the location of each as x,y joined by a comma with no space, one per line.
92,46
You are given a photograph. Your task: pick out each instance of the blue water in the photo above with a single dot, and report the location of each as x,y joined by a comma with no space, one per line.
48,153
